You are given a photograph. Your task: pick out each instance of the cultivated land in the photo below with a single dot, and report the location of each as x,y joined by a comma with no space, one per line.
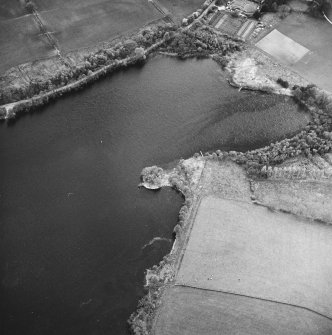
74,24
307,197
181,8
240,264
21,42
248,268
187,310
10,9
289,54
314,35
85,23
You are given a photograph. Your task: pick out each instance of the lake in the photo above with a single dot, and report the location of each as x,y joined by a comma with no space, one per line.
73,223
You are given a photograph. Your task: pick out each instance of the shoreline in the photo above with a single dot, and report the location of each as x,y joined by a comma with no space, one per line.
237,66
10,110
277,177
236,69
185,178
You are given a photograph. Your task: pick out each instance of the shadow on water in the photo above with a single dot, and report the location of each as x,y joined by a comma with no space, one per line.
73,221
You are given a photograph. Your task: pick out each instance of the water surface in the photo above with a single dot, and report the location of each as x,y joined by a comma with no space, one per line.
73,222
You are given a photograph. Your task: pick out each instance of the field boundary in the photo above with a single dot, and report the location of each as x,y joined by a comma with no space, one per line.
252,297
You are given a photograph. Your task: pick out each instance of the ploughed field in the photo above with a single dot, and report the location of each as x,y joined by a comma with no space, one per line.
75,24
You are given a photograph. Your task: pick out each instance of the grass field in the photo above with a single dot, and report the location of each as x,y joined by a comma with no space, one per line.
309,198
74,23
20,42
76,26
247,269
10,9
314,34
181,8
282,48
246,249
191,311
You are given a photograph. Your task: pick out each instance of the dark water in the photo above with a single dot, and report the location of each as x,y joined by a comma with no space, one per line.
73,222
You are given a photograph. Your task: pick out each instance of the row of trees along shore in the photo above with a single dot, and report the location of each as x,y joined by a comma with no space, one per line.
198,41
315,138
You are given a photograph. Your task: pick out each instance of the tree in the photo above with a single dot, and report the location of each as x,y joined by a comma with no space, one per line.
140,53
257,15
317,7
166,36
30,6
284,10
283,83
152,175
272,5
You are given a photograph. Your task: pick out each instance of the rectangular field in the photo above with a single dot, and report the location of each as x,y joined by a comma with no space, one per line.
187,310
20,42
282,48
245,249
314,34
10,9
74,23
85,25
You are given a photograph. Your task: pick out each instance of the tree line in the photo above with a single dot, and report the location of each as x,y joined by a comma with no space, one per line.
315,138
